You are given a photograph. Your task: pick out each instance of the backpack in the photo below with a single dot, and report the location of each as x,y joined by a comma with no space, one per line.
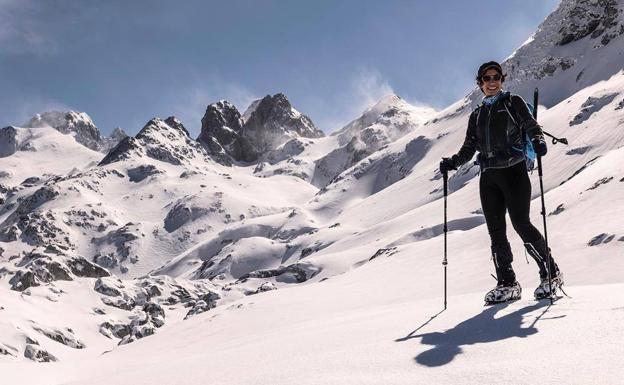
527,146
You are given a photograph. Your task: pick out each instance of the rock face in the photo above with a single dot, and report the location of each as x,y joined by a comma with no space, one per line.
164,140
8,142
560,56
221,134
63,336
274,121
38,354
38,268
596,18
115,137
182,213
80,125
267,124
31,224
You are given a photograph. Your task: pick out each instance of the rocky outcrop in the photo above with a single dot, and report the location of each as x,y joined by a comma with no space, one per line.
586,29
268,124
163,140
115,137
22,280
140,173
63,336
80,125
597,19
7,350
122,151
181,213
108,286
221,130
8,141
32,224
124,239
38,268
37,354
274,121
204,303
296,273
592,105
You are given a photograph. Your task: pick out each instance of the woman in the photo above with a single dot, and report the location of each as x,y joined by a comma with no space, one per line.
496,129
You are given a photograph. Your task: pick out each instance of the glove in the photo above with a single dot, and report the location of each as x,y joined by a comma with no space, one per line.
446,165
539,145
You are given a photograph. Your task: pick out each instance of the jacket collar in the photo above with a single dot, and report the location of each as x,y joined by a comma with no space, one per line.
489,101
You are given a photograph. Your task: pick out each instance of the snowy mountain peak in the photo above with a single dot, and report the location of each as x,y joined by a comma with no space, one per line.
78,124
175,123
274,121
118,134
560,57
164,140
379,125
386,102
387,106
60,120
221,114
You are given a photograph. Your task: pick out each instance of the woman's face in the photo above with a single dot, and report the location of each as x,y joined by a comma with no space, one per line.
491,86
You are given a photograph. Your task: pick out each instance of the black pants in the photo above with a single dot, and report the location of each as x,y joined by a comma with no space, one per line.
509,190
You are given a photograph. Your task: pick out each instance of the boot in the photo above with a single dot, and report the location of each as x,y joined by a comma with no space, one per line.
507,288
503,293
502,257
538,251
548,289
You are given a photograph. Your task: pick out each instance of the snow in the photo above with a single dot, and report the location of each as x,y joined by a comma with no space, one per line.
49,145
331,335
351,266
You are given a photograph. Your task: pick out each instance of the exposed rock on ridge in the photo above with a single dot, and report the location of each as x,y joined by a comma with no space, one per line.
80,125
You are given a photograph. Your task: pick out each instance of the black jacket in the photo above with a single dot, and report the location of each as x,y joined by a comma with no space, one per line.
496,131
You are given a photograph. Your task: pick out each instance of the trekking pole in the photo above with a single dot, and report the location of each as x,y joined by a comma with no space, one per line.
539,170
555,140
444,261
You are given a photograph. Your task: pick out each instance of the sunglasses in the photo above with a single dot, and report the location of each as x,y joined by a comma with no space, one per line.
487,78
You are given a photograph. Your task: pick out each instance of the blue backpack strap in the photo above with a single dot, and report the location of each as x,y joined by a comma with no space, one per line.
529,151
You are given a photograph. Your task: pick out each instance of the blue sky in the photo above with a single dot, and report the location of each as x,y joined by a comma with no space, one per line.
124,62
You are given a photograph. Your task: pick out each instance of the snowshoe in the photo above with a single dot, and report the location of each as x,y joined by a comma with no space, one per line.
503,293
543,290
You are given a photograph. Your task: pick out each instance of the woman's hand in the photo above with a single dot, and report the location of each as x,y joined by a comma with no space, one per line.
446,165
539,145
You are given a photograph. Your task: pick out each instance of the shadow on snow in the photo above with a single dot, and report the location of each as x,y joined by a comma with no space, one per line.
481,328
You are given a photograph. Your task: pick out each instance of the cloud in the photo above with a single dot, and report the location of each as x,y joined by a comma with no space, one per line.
17,111
364,88
369,86
24,28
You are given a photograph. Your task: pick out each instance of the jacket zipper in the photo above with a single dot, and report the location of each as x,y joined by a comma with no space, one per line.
487,133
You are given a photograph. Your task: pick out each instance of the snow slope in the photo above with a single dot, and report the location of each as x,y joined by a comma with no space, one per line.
44,150
341,284
366,328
